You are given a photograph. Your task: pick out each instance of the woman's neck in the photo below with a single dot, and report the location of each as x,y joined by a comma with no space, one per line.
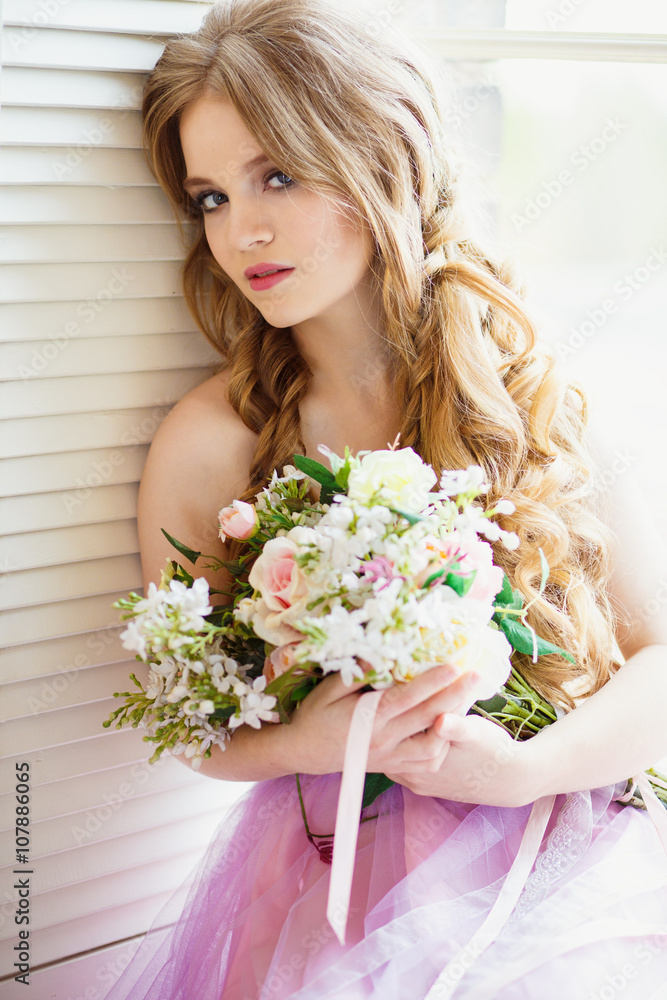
349,399
345,347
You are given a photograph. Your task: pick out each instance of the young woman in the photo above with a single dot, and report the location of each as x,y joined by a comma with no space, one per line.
331,265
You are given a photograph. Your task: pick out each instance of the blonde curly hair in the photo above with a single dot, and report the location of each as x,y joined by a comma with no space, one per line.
357,115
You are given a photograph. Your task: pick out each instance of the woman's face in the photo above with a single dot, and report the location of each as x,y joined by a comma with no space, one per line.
256,215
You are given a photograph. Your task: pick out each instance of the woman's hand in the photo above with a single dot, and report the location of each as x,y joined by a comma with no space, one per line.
403,737
480,763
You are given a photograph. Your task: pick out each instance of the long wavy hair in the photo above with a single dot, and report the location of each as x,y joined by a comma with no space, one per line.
343,107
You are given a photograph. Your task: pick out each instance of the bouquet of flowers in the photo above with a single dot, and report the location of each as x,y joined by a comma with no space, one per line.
380,579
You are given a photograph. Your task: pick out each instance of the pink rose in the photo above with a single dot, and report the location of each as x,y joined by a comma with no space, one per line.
441,554
238,521
489,578
280,660
276,575
466,555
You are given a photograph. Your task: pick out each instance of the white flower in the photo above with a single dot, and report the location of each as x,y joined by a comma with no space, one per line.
397,478
504,507
192,602
152,602
133,639
454,483
511,540
178,692
244,610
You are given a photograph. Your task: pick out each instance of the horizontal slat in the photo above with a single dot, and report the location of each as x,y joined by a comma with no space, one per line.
89,898
63,88
82,205
62,617
140,16
499,43
58,728
89,50
51,434
96,283
78,356
58,244
97,969
120,317
82,164
55,546
62,127
89,934
94,837
73,795
97,392
64,656
106,503
148,822
83,757
78,473
35,587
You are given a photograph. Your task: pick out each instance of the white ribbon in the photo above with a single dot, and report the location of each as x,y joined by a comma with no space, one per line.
349,811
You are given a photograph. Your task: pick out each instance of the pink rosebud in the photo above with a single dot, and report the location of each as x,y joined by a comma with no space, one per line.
280,660
238,521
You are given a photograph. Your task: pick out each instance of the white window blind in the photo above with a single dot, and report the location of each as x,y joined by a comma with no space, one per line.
96,346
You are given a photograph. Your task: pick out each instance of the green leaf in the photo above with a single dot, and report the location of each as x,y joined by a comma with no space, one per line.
521,638
374,785
299,693
495,704
460,584
410,518
315,470
507,597
189,554
432,578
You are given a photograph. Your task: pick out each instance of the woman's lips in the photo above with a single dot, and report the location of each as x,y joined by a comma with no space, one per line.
261,283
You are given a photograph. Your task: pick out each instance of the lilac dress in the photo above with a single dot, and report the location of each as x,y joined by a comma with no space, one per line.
591,921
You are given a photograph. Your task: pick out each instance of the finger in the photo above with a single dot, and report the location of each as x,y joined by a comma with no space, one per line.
448,727
423,715
401,697
332,688
424,761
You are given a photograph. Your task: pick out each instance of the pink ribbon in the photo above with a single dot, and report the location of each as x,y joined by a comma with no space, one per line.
349,811
507,898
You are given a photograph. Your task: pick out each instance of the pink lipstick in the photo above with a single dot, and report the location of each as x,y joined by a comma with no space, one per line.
262,276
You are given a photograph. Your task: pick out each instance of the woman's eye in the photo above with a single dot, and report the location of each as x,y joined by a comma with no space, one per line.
285,179
208,201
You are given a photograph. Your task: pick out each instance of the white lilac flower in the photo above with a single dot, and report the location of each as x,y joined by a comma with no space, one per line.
133,639
191,602
153,601
459,481
511,540
177,693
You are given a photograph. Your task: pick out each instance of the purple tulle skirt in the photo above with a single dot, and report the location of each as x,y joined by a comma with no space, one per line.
591,922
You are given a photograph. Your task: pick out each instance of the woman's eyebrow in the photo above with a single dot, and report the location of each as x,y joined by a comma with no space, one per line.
247,168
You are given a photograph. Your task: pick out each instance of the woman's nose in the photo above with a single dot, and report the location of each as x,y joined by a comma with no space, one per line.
247,224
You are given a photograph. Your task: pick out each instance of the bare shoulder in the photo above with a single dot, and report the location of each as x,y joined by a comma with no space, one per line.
198,462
